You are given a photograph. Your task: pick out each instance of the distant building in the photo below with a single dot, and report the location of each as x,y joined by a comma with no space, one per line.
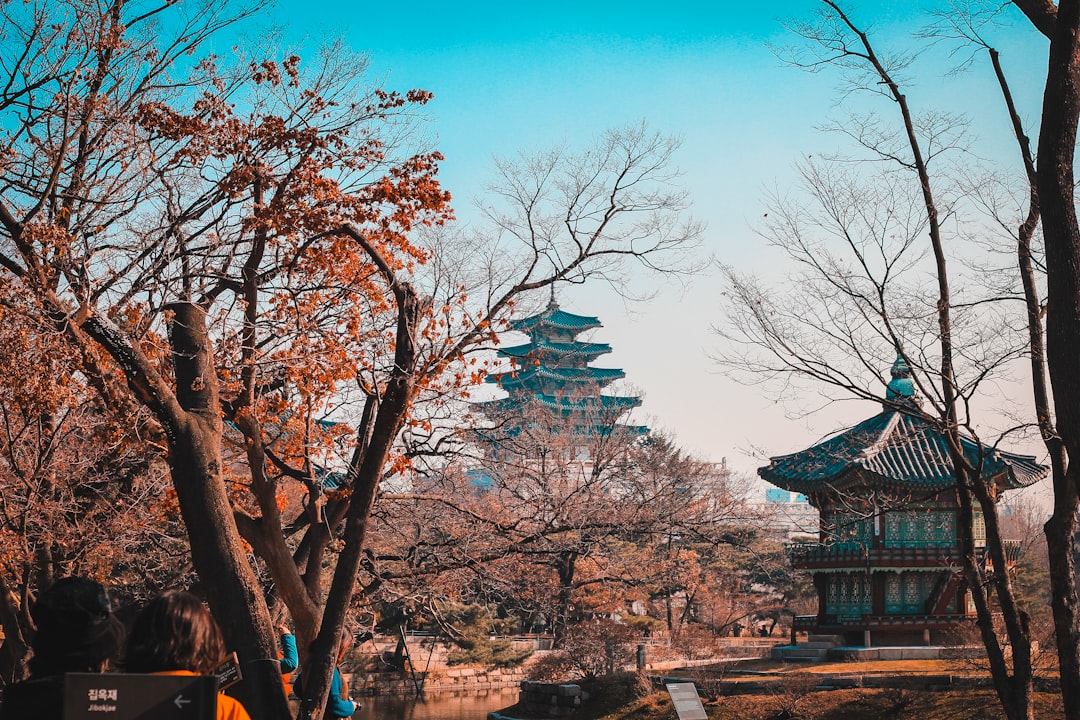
789,515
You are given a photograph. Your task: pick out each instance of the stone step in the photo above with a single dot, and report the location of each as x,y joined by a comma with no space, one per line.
799,653
803,657
836,640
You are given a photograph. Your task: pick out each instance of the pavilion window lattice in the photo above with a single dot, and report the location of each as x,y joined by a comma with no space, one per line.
851,531
906,593
849,594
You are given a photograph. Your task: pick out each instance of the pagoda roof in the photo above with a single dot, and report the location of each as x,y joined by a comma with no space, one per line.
539,373
557,348
565,403
554,317
894,449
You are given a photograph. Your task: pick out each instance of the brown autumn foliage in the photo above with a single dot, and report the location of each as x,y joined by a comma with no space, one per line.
81,486
233,248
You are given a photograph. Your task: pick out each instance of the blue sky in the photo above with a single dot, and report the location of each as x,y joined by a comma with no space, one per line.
512,77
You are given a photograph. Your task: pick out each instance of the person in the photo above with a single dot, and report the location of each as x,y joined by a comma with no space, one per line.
176,635
76,632
338,704
287,657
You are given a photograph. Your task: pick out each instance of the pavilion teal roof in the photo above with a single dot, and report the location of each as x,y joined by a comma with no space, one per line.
559,348
894,449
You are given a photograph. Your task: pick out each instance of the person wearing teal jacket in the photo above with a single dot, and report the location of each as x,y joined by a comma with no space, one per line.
337,706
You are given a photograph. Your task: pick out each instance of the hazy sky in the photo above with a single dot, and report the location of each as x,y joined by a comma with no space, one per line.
509,77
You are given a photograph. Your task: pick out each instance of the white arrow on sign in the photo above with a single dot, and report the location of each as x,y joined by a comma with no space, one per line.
180,702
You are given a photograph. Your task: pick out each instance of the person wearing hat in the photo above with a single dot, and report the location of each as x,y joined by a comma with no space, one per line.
76,632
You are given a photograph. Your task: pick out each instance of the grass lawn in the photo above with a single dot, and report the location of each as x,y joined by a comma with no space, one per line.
795,697
859,704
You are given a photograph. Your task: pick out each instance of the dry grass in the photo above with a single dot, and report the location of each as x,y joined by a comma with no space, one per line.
796,699
843,705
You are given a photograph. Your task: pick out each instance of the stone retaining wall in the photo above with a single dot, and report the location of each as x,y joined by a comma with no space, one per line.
448,679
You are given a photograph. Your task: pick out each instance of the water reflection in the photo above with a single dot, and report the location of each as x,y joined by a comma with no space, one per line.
474,705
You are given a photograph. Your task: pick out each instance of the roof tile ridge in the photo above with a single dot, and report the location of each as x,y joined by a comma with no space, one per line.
871,451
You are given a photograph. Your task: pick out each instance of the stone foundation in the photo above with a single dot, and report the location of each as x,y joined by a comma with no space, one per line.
550,700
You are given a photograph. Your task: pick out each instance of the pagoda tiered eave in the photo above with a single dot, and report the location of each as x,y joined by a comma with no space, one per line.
553,317
531,377
543,348
604,403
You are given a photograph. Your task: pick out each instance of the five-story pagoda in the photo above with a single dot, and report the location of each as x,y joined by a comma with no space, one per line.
553,376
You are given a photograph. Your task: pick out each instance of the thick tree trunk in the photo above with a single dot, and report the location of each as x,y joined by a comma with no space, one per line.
14,649
1061,233
1060,532
217,552
566,566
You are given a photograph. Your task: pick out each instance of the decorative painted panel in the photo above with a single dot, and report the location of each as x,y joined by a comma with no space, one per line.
893,529
913,593
893,598
978,530
920,528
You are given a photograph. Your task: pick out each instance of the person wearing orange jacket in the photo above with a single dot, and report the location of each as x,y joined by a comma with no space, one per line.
176,635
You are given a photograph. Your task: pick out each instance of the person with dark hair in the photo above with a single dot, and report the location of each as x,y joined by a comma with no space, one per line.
338,704
176,635
76,632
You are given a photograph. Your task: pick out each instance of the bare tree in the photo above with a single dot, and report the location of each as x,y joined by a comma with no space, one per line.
969,25
862,244
1053,198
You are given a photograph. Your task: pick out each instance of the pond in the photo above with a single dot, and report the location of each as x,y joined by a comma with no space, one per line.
472,705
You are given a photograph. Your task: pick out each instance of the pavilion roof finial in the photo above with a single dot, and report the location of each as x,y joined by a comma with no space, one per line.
552,303
902,387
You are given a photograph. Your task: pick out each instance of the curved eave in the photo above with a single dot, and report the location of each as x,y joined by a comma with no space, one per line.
893,450
556,318
1023,471
591,351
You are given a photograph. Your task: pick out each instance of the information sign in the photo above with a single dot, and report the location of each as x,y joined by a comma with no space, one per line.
130,696
686,701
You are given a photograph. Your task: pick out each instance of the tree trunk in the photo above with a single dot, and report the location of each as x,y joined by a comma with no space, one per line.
1013,689
217,552
565,565
13,651
1060,532
1061,234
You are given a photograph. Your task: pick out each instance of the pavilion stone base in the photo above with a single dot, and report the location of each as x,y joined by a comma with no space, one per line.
801,653
901,636
886,652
